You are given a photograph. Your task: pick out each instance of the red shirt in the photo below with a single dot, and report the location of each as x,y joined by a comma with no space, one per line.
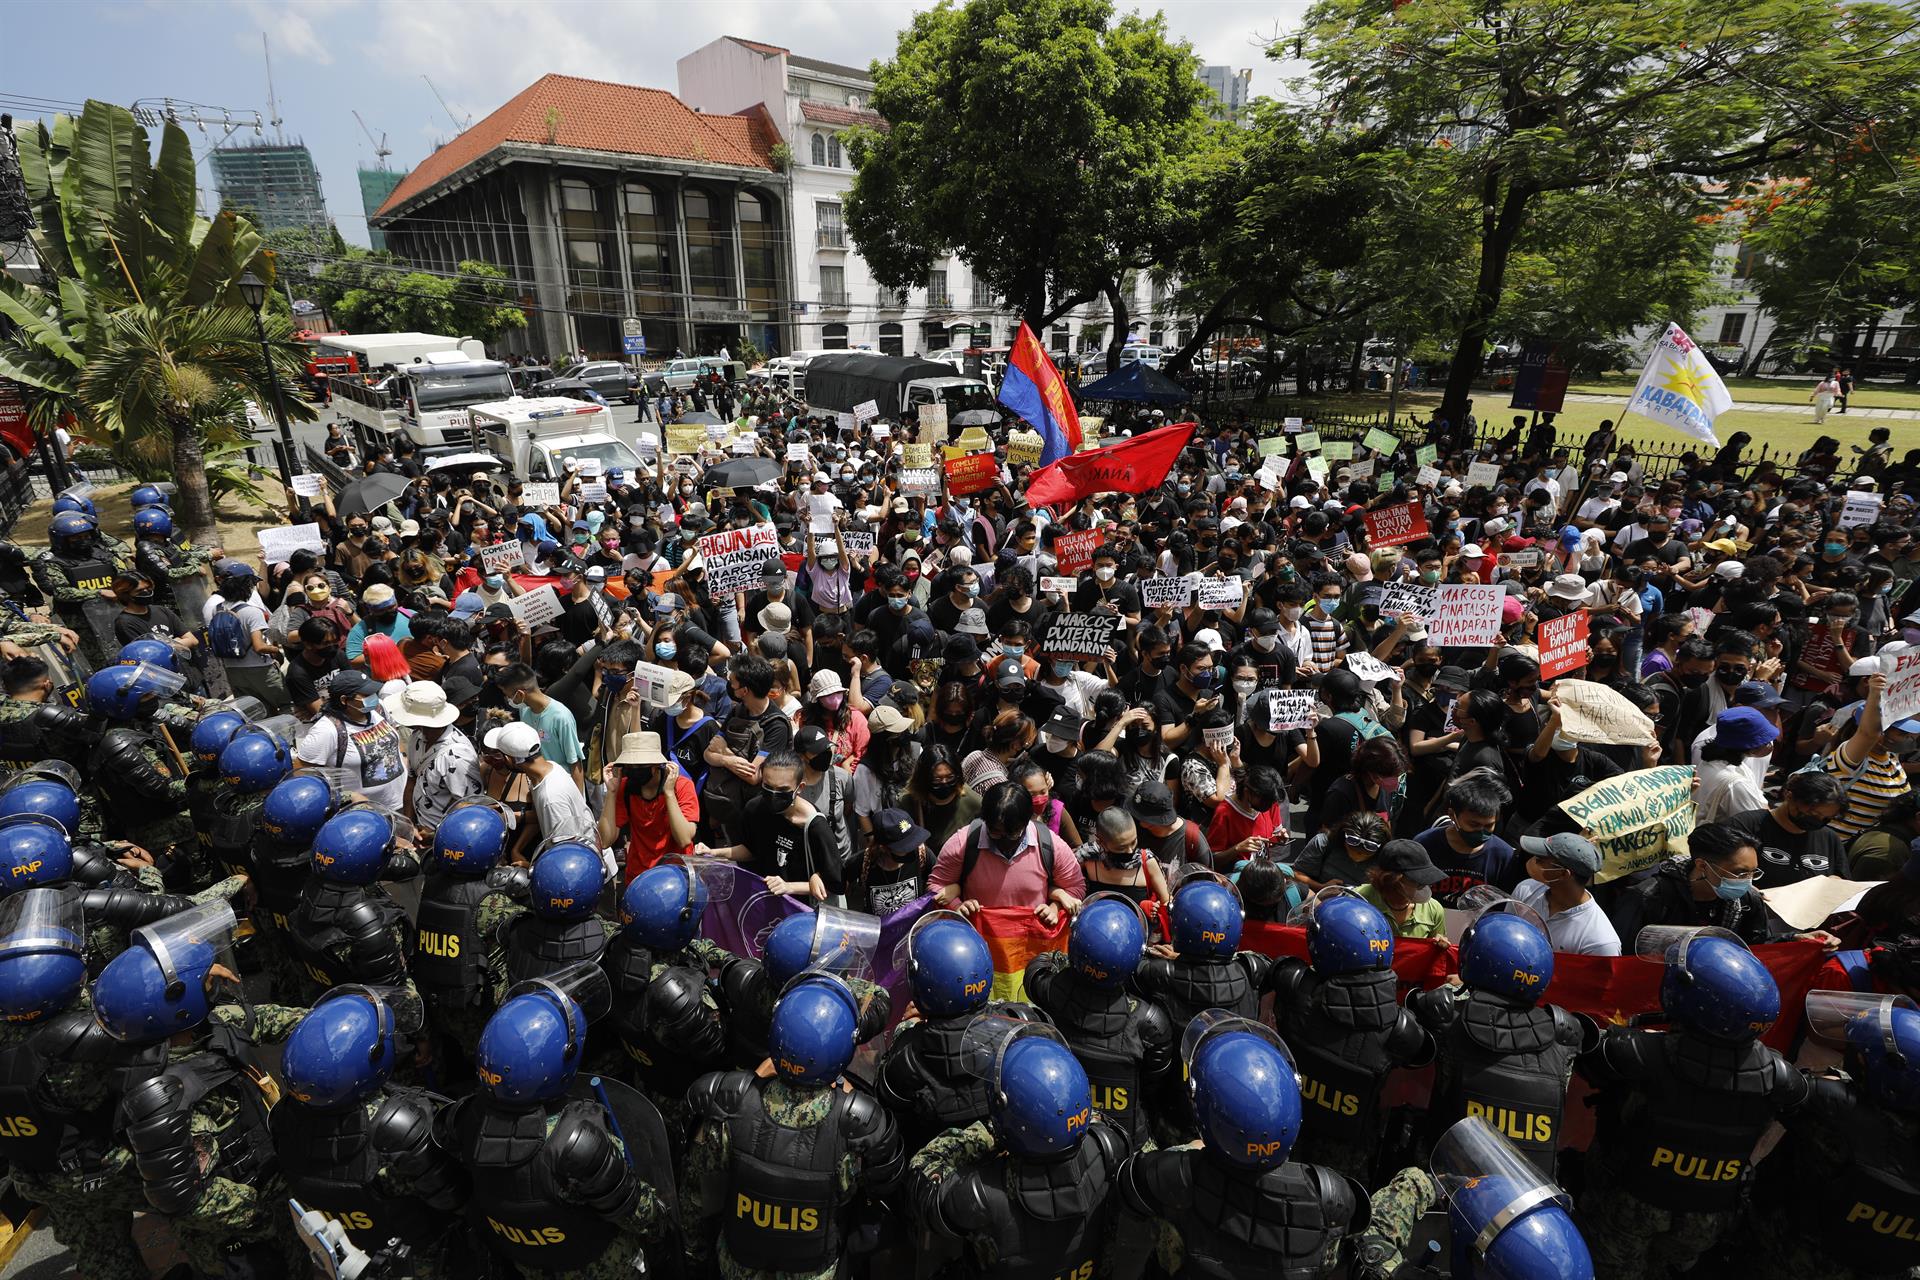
649,837
1229,826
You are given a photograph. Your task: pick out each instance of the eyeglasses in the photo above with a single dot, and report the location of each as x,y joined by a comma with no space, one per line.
1363,844
1751,877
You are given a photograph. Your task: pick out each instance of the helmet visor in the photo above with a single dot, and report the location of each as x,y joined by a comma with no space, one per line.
1830,1013
41,922
172,940
984,1043
1471,1154
717,874
1483,899
1661,943
583,984
158,680
46,820
1303,914
1210,1024
248,708
402,827
844,942
43,770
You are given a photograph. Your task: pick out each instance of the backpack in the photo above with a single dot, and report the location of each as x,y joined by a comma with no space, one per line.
972,858
227,634
1364,727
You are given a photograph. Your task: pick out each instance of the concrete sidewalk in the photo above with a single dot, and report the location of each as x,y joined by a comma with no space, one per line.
1748,406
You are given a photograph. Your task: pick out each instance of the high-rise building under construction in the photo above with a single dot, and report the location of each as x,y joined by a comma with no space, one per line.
273,183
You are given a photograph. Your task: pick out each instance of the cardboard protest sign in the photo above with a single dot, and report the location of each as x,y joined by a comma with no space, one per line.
593,491
735,557
1395,526
1272,446
308,485
881,430
536,607
1387,479
1483,474
1636,819
1064,586
1861,508
1426,455
1337,451
1289,709
916,455
1317,468
933,420
1080,635
540,493
1406,597
820,509
971,474
1219,737
1901,699
1292,424
1309,442
1380,441
1024,448
683,440
857,541
1427,477
1165,593
920,483
278,545
718,431
1465,614
1074,551
1369,668
1563,645
503,557
975,440
866,411
1222,593
652,680
846,422
1600,716
797,451
1361,470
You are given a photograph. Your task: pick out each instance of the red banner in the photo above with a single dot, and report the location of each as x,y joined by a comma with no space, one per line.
1563,645
1132,466
1074,551
1395,526
971,474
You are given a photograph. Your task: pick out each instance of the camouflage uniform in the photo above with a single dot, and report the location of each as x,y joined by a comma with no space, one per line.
56,578
490,923
166,563
25,632
1631,1238
159,824
1397,1210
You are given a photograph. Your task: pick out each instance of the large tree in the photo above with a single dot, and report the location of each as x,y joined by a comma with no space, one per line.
1538,97
139,331
1044,142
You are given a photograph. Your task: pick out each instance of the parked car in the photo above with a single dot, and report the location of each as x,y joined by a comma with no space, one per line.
528,376
613,380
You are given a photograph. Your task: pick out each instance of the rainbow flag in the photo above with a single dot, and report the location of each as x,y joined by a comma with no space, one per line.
1015,935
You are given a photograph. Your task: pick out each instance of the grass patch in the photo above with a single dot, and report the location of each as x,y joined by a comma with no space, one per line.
1769,391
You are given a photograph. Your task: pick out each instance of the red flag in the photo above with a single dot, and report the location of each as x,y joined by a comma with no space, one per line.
1132,466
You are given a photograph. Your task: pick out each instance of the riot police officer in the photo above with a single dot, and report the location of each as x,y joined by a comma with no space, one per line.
76,571
252,763
767,1184
178,570
54,788
1681,1110
1340,1010
1505,1220
1125,1043
830,940
1503,1055
144,789
449,960
209,736
557,927
1035,1189
556,1165
347,928
1838,1196
353,1146
1237,1206
668,1024
922,1078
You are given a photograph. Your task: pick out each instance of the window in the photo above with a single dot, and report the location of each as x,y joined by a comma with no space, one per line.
833,337
982,295
933,336
833,286
588,246
833,151
819,149
829,231
1732,326
1156,336
651,256
891,339
709,245
937,290
759,251
896,299
1057,338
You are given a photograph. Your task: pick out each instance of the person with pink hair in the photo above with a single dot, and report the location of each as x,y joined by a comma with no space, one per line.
384,660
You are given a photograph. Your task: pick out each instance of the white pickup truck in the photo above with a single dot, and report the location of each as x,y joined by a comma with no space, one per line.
537,436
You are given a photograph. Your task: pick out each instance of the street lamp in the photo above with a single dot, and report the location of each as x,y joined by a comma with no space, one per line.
253,291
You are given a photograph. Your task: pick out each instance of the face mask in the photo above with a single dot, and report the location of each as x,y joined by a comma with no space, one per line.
615,679
1472,839
1327,604
665,650
1203,678
943,790
1388,785
1040,803
899,603
146,597
496,582
1836,548
1058,746
1290,612
370,703
1245,688
1121,861
315,595
1839,622
1061,670
1563,744
973,589
1104,573
1265,644
1731,890
829,563
912,575
1013,650
1429,575
1808,821
832,701
779,801
1727,677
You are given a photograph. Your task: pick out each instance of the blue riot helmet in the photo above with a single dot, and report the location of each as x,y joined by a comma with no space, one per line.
1714,986
471,838
50,787
43,961
662,908
1881,1037
532,1045
158,652
254,760
71,528
1109,936
70,504
566,881
147,495
1509,1222
124,693
1206,917
1505,950
343,1050
1246,1093
786,948
152,522
34,851
815,1029
297,807
1038,1099
1345,933
948,965
352,846
158,985
830,940
212,732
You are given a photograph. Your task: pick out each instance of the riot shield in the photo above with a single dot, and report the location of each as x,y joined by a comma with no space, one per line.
1829,1013
67,671
190,596
633,1119
95,617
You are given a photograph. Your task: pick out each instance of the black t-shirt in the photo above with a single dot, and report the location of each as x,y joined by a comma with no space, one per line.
687,746
1559,779
1001,612
157,623
945,613
1276,665
777,847
798,606
303,677
1788,857
1117,595
1669,552
1137,684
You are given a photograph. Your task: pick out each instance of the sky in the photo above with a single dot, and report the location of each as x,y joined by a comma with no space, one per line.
332,57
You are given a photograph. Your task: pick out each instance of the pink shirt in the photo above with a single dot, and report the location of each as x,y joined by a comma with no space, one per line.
996,882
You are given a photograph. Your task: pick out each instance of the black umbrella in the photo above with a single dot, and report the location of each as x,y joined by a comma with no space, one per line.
741,473
364,497
976,418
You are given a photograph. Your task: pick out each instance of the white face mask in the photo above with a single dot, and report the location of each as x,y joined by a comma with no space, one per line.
1104,573
1059,746
1290,612
1563,744
1265,643
1245,688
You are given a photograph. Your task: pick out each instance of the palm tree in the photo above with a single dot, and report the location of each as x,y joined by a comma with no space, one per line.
137,330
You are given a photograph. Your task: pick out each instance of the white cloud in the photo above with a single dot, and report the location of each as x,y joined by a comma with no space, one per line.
288,30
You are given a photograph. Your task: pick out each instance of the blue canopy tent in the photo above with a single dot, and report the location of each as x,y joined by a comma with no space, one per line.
1135,382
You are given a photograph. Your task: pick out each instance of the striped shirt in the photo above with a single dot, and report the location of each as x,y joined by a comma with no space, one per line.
1869,791
1329,641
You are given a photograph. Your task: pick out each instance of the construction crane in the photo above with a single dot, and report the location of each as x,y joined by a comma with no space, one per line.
458,126
380,149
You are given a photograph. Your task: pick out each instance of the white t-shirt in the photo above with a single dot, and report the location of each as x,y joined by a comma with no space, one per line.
1756,765
562,811
1582,931
373,762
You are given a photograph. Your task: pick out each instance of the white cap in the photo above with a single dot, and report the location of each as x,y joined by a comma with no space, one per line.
1497,525
1299,502
1868,666
1472,551
1730,569
961,554
1231,522
515,741
1618,477
1210,638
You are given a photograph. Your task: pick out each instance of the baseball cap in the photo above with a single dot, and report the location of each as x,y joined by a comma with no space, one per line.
898,831
1472,551
1409,858
350,683
514,741
886,718
377,596
1065,723
1573,851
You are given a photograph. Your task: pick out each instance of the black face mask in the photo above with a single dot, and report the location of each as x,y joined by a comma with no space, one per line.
1728,677
943,791
779,801
1692,679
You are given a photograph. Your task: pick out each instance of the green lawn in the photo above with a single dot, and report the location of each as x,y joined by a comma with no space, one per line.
1768,391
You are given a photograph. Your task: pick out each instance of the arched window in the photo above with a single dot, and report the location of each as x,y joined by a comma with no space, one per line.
891,339
833,151
833,337
819,149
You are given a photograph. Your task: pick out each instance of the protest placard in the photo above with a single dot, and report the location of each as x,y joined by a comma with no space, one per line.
820,509
308,485
1080,635
916,454
1024,448
1427,477
1074,551
1369,668
1426,455
718,431
1380,441
1406,597
1465,614
1165,593
593,491
1317,468
652,681
797,451
740,446
536,607
278,545
933,420
866,411
1289,709
1337,451
1292,424
1483,474
1563,645
920,483
972,474
684,440
1361,470
735,557
1518,559
1273,446
881,430
1222,593
846,422
1063,585
1219,737
1901,699
540,493
1387,479
1635,819
1599,715
1309,442
857,541
503,557
1860,508
1395,526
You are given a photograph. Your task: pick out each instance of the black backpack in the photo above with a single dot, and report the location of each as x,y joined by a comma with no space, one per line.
972,858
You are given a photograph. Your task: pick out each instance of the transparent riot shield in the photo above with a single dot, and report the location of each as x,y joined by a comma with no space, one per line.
1488,1182
1831,1013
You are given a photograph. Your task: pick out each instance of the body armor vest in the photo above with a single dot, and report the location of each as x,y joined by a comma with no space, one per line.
1185,988
925,1084
329,1161
230,821
1869,1216
448,964
1235,1224
1051,1218
670,1058
516,1206
40,1137
1338,1029
784,1204
327,920
1510,1065
1102,1027
537,946
280,873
